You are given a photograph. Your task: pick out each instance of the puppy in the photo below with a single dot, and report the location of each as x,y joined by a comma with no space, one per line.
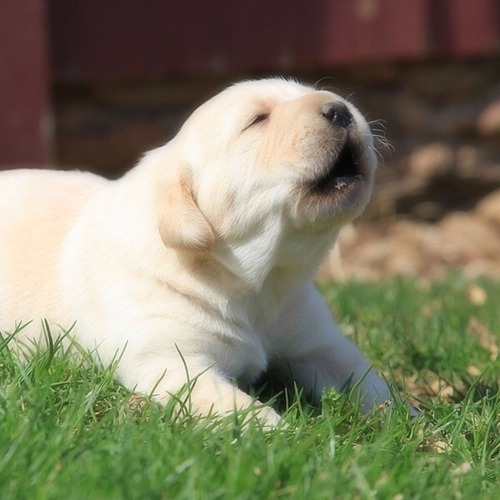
195,266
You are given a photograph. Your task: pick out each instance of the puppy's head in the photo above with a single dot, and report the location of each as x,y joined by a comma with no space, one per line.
276,149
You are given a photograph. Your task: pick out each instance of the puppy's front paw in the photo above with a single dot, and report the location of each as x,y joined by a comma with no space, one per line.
268,417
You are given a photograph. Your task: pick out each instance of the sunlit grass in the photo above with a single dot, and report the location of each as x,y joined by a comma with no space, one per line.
67,430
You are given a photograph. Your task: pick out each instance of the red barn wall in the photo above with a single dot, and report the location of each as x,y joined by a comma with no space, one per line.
89,41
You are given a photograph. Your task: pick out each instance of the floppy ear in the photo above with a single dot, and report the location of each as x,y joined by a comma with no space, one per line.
181,223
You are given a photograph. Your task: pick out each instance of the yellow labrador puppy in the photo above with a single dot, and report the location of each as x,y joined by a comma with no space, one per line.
196,265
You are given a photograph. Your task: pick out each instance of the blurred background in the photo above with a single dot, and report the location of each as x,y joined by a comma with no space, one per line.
93,84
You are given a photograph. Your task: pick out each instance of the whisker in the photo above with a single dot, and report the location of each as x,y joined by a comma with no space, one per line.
350,97
378,129
317,83
379,122
382,143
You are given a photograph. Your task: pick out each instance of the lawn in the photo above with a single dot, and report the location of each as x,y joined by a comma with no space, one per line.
68,431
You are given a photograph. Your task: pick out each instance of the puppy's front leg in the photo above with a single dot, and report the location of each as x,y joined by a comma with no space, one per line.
315,354
197,387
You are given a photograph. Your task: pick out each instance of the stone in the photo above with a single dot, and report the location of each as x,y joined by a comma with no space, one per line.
488,123
433,160
472,237
489,209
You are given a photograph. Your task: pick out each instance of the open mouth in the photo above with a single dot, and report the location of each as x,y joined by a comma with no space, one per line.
343,172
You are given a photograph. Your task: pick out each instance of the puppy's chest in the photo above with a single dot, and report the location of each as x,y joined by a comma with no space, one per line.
245,354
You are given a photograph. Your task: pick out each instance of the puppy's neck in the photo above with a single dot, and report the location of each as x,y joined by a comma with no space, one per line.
269,258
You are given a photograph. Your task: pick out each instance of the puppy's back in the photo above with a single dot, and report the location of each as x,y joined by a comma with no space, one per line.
37,209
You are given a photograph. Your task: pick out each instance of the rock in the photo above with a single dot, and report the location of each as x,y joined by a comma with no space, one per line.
489,209
488,123
433,160
471,237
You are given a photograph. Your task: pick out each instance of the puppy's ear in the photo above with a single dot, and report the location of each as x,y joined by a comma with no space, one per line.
181,223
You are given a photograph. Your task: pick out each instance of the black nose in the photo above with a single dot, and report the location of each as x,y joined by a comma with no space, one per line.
337,114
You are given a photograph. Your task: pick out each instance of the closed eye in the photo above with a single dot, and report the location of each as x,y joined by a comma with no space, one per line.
257,119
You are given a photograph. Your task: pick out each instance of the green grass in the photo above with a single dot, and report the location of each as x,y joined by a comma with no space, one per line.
68,431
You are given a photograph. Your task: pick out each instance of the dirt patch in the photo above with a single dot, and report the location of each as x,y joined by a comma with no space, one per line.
465,241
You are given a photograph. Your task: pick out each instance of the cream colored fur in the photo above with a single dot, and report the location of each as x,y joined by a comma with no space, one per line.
199,257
